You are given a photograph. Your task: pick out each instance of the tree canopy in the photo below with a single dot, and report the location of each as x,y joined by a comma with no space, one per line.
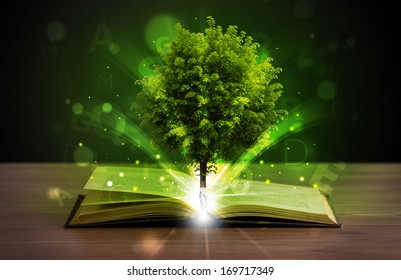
210,96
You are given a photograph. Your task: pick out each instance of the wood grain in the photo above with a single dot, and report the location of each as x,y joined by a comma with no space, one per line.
367,198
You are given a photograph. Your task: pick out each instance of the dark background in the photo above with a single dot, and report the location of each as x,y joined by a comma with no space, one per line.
36,121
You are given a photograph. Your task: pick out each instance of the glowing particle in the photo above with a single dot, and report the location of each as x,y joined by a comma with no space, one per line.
297,114
134,188
121,174
92,177
144,178
333,46
277,48
109,183
114,48
158,156
161,179
288,148
267,181
307,164
80,144
302,178
55,31
279,172
315,186
261,161
104,129
108,67
89,97
292,128
77,108
295,188
106,107
272,165
122,144
67,101
137,162
326,90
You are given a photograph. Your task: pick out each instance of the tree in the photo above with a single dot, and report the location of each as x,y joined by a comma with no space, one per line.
210,97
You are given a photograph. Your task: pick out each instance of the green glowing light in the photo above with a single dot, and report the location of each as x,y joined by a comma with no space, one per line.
312,114
161,179
121,174
308,62
134,188
159,26
55,31
267,181
158,156
351,42
77,108
307,163
80,144
333,46
146,66
292,128
107,107
161,42
327,90
137,162
67,101
109,183
261,161
83,156
315,186
114,48
302,178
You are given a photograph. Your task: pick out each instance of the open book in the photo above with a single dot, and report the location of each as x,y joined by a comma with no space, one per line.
118,195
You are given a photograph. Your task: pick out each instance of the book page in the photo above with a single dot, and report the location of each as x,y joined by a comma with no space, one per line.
113,197
282,201
152,181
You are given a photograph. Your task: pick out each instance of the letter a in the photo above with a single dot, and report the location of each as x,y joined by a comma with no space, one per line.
102,36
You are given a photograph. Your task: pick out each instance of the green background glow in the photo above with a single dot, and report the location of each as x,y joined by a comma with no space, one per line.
73,66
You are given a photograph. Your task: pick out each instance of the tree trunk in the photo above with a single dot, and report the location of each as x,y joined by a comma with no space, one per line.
203,172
